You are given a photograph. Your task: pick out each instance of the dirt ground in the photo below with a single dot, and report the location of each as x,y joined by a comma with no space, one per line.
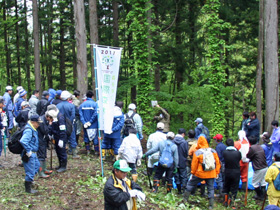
81,187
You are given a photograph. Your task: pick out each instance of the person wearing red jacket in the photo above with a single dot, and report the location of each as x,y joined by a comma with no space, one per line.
199,174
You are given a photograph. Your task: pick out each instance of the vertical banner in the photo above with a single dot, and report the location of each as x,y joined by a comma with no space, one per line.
107,61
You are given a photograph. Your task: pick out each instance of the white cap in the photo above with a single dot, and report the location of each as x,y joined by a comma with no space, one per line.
24,103
132,106
9,88
170,135
65,95
53,114
160,125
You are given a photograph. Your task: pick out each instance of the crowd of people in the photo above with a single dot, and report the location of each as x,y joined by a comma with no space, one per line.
59,117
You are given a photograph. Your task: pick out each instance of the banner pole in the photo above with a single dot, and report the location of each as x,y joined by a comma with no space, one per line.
97,98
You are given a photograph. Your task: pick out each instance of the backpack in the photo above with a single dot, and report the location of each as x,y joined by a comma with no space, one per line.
276,182
14,144
128,124
166,159
208,163
205,131
69,126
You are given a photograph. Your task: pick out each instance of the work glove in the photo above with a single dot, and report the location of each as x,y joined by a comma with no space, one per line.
144,156
109,132
29,154
133,193
138,163
87,124
60,143
140,196
175,170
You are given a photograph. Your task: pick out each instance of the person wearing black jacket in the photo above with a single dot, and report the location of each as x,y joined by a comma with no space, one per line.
43,131
43,103
119,192
232,158
257,156
22,117
182,145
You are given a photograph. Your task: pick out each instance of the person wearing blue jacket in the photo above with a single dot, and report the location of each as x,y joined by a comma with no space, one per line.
268,148
30,143
112,141
252,127
169,172
1,126
68,110
181,177
88,117
275,137
57,132
8,107
22,97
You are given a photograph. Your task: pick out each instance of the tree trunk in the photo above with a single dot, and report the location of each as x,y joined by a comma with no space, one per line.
93,21
271,63
62,53
36,45
18,45
8,58
50,48
73,46
115,23
260,64
80,29
26,54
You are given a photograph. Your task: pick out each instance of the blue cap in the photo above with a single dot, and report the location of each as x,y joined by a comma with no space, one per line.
35,118
58,92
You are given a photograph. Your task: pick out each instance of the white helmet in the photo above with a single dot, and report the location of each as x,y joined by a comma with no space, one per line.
19,88
24,103
53,114
65,95
9,88
132,106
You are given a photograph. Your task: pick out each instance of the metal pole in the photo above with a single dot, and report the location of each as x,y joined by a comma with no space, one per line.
97,98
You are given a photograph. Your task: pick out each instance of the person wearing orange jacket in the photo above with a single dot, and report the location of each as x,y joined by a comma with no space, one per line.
199,174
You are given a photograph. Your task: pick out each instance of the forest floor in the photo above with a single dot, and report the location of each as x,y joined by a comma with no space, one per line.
81,187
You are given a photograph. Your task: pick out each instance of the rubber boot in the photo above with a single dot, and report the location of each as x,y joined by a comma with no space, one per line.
63,167
58,167
262,192
202,190
75,153
243,186
156,185
186,196
134,177
87,149
44,166
225,202
28,188
169,188
150,171
96,149
211,203
41,171
258,193
103,154
179,187
70,151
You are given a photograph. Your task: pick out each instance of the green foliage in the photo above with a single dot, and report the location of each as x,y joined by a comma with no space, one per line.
215,53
